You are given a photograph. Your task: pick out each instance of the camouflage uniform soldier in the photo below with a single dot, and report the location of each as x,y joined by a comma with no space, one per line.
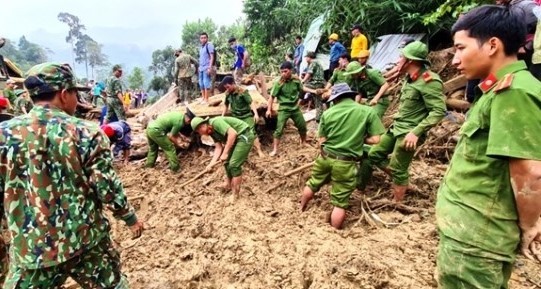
313,80
56,175
114,96
183,74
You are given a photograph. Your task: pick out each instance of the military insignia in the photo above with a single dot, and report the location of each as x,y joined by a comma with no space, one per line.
427,76
488,83
505,82
414,76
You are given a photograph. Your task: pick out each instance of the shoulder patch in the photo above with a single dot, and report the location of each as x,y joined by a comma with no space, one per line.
505,83
427,77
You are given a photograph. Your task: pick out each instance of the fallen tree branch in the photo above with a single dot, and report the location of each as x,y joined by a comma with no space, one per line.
274,187
196,177
299,169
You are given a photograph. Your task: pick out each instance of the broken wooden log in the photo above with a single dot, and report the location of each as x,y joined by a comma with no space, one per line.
299,169
455,84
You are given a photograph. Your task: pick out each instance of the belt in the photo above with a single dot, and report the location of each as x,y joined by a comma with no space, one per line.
340,158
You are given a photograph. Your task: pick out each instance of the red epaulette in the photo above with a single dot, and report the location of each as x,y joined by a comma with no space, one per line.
504,83
488,83
427,77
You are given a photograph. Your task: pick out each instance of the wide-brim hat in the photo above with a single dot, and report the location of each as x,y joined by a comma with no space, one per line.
354,67
197,121
417,51
341,90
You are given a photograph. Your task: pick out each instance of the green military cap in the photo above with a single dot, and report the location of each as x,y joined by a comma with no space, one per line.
354,67
19,91
50,77
416,51
117,67
197,121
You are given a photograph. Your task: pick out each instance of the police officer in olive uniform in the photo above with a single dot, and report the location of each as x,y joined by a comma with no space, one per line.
488,202
343,129
422,105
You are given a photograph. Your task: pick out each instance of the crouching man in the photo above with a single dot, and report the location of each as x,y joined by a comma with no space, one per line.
342,129
119,133
234,140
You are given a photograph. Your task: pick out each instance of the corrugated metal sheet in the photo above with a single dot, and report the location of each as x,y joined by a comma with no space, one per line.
311,41
385,51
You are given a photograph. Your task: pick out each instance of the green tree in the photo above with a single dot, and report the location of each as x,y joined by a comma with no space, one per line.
96,58
452,8
136,78
158,84
25,54
191,32
75,31
163,61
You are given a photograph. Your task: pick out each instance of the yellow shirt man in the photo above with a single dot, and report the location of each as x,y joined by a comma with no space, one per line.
358,43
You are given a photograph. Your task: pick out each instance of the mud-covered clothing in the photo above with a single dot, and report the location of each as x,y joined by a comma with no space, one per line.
56,175
243,144
476,201
157,137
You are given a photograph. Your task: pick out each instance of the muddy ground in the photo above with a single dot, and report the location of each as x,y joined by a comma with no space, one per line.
198,237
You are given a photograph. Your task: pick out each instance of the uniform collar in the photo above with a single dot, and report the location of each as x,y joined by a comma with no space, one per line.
414,76
490,81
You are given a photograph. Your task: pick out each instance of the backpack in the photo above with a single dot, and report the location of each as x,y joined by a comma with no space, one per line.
215,62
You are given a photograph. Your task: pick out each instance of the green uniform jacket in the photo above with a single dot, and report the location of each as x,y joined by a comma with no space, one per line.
370,84
240,101
422,104
221,124
169,122
345,126
56,176
287,93
10,95
114,86
339,76
476,203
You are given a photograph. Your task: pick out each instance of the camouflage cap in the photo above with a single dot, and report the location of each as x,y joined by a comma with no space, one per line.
50,77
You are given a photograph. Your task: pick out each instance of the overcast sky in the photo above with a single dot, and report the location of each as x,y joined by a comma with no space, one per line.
113,20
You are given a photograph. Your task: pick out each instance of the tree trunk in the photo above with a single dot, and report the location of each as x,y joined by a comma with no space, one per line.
92,70
86,66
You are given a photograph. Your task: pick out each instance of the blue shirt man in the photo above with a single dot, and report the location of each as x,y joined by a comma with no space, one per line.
337,49
207,56
297,56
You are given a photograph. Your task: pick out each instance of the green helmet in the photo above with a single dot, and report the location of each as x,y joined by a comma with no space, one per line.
197,121
354,67
416,51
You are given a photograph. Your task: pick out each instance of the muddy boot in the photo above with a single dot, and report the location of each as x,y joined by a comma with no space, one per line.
399,192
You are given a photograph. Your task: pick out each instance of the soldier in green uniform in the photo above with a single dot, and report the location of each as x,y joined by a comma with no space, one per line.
115,97
163,133
9,93
56,176
183,74
313,80
342,131
23,104
339,75
242,106
234,139
422,105
488,205
371,86
286,90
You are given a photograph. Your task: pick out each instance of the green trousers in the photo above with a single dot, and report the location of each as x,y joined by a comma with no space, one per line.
297,117
184,88
97,267
157,138
239,154
378,156
341,175
461,266
115,106
381,107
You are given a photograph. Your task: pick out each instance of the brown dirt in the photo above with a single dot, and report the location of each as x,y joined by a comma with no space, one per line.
197,237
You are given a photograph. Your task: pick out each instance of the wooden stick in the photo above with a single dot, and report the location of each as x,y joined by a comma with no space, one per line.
135,198
299,169
274,187
196,177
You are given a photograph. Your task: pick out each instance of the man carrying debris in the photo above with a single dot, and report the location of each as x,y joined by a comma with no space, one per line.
164,133
56,176
314,79
242,106
489,200
115,97
286,90
371,86
234,140
242,59
119,133
342,131
422,105
183,74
